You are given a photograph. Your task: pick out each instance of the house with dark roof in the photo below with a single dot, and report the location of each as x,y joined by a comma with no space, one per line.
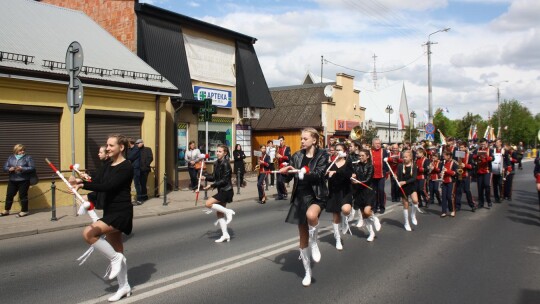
203,60
332,108
121,94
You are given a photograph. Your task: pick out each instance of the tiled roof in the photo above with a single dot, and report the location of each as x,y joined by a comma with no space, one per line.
296,107
45,31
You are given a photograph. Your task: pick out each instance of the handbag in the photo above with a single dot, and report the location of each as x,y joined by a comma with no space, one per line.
34,179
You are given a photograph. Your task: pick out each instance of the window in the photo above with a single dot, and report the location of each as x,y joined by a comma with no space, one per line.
182,143
219,132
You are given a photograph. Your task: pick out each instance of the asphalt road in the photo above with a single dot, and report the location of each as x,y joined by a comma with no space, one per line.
491,256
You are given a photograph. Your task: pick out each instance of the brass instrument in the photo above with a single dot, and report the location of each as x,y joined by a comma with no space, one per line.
460,169
443,170
356,133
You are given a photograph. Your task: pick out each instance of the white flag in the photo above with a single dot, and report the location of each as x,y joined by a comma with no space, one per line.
403,118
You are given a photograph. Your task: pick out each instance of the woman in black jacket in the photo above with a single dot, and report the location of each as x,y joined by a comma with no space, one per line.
115,185
222,182
309,195
239,166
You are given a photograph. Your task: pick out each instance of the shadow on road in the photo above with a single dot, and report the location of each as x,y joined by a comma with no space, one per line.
529,296
289,262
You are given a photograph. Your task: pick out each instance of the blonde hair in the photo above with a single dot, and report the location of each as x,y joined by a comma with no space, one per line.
18,147
314,134
412,161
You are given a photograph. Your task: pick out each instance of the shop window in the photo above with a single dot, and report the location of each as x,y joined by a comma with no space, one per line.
219,132
182,142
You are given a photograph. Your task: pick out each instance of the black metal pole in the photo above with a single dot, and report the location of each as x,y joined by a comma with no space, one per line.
238,180
389,127
205,190
53,203
164,189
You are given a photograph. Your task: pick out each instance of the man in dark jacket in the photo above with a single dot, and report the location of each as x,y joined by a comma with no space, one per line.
146,158
134,156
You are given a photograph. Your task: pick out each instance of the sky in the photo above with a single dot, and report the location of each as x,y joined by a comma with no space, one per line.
493,42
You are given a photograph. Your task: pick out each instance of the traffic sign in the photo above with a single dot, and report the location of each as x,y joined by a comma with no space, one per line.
74,58
430,136
430,128
75,95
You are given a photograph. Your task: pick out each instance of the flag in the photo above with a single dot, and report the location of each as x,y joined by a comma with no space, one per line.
469,137
403,118
492,134
475,135
486,134
446,110
426,115
443,138
499,132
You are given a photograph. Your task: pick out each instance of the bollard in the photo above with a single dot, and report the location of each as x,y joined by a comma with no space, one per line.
164,189
205,191
238,181
53,204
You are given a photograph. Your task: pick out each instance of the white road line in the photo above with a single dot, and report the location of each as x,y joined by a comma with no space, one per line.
220,267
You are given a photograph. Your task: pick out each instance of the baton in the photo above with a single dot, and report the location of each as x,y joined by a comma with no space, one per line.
363,184
204,156
395,178
75,167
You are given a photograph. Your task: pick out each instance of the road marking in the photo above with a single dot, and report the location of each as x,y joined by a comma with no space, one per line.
532,249
218,267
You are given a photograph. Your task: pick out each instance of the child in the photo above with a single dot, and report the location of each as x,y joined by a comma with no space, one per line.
407,177
264,166
448,170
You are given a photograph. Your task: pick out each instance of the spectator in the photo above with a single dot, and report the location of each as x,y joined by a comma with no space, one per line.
192,157
146,159
239,166
134,156
20,168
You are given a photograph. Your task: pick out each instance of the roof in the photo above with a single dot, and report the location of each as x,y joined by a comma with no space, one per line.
296,107
184,20
44,32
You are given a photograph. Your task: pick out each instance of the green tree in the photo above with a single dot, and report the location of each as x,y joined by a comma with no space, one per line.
369,134
443,123
463,125
414,133
518,123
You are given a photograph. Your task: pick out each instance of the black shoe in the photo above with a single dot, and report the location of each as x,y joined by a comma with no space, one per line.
490,205
473,209
381,211
480,206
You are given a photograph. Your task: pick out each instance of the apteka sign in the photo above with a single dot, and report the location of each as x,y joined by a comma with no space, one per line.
220,98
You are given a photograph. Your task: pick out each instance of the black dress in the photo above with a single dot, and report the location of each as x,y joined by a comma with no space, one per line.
409,176
361,195
115,187
312,189
339,186
222,181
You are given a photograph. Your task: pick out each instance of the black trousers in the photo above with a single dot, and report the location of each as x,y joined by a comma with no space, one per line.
496,183
380,197
434,191
484,184
421,191
272,175
394,189
447,200
464,186
281,189
193,177
143,180
22,188
508,186
260,185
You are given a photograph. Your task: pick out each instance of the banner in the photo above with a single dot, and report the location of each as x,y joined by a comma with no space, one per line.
403,115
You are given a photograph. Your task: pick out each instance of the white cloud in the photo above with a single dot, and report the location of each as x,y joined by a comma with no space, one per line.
193,4
522,15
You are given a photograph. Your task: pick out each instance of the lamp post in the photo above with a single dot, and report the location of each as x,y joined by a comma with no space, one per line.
413,116
496,85
429,43
390,111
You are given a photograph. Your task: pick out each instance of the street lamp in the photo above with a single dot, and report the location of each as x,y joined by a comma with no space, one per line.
413,116
429,43
496,85
390,111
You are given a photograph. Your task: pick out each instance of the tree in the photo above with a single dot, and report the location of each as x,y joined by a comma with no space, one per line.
444,124
517,122
463,125
414,135
369,133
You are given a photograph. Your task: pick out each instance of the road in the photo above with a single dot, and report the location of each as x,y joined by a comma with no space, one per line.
491,256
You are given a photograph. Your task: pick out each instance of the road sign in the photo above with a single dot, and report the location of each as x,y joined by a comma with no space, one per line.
75,95
74,58
430,128
430,137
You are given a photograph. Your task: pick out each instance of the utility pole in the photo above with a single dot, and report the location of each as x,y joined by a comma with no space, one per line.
496,85
322,62
429,43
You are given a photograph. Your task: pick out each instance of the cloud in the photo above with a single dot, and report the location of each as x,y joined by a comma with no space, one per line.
523,52
522,15
193,4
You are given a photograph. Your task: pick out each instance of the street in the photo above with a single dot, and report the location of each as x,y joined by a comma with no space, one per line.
490,256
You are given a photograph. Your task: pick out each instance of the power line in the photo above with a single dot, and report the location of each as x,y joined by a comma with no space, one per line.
387,71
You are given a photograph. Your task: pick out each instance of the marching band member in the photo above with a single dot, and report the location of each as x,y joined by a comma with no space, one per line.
512,159
264,166
352,162
422,164
463,182
379,174
115,183
498,165
283,154
483,159
394,159
448,172
407,177
434,182
222,181
364,197
308,196
271,151
339,186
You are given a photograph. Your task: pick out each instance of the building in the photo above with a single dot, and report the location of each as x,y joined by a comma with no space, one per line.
122,94
201,59
331,108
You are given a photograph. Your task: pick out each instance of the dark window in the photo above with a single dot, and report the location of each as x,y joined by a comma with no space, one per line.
100,124
37,128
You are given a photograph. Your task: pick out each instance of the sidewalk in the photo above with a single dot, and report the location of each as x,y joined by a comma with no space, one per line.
39,221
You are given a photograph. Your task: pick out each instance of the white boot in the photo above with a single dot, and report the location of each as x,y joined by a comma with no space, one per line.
406,217
369,225
225,235
345,224
313,238
228,212
339,246
376,222
351,216
360,220
304,256
124,290
413,215
116,258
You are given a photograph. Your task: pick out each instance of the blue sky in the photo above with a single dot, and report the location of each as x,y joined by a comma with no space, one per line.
490,41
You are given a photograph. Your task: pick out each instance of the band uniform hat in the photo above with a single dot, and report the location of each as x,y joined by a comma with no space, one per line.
139,141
